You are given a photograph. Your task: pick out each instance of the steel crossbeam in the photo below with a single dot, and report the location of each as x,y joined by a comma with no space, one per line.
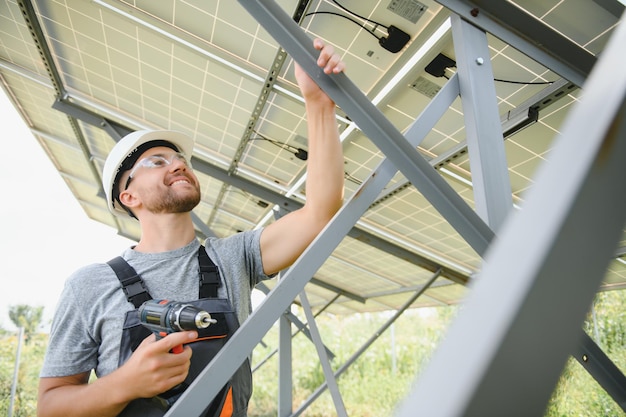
600,366
356,355
331,380
482,388
237,349
590,186
505,352
374,124
528,35
490,173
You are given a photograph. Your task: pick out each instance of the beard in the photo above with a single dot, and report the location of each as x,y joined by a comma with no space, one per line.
172,202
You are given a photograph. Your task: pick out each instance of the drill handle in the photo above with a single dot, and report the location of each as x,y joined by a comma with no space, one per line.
160,335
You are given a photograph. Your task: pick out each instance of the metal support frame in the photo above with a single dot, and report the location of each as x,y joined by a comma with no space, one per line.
356,355
285,370
490,173
240,345
528,35
575,66
600,366
374,124
561,240
477,234
300,329
331,381
115,130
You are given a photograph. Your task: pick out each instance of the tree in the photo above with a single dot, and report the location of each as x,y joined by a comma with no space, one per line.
28,317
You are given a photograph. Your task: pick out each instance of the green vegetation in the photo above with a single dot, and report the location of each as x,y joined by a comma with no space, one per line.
577,393
372,387
33,348
26,317
377,380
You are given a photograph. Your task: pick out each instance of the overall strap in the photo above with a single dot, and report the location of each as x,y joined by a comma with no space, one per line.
132,284
137,293
209,275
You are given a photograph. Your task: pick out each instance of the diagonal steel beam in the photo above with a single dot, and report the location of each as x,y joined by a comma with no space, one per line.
563,239
31,20
300,329
237,349
356,355
331,381
600,366
374,124
36,31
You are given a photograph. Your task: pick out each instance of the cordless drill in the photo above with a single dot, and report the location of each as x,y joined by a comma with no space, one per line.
163,317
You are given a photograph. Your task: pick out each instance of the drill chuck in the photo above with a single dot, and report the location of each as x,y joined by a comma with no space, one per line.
163,316
204,320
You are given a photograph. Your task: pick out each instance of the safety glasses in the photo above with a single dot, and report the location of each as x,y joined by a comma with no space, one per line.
157,161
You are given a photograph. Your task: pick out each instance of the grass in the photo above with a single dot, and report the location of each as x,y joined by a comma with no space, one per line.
374,384
380,378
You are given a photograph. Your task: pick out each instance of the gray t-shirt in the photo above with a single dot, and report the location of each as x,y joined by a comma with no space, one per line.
87,327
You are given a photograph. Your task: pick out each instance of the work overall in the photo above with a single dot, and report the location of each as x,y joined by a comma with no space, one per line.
210,341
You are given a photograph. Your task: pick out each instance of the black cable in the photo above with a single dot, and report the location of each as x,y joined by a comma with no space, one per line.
347,18
279,144
374,22
298,152
516,82
395,40
524,82
275,142
251,196
359,16
352,179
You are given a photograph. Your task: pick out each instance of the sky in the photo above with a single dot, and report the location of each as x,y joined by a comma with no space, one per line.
44,233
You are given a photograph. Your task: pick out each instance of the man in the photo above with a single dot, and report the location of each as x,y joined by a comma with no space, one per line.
147,176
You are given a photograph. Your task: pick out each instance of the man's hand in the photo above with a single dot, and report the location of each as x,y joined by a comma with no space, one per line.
153,369
150,370
328,60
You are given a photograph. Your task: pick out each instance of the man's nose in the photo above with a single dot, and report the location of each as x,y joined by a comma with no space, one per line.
176,165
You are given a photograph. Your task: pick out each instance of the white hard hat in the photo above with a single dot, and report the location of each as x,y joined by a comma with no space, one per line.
126,152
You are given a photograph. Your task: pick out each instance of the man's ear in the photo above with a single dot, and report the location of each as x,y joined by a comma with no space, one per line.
128,199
